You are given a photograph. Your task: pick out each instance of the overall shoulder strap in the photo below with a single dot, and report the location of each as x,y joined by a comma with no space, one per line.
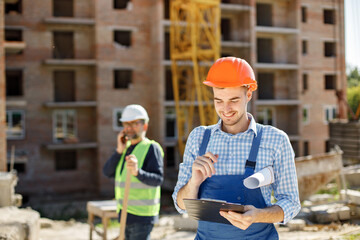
251,162
205,141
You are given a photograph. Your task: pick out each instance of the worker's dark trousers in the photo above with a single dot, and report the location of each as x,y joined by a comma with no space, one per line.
138,231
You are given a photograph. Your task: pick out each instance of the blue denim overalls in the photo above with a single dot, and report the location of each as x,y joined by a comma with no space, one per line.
231,189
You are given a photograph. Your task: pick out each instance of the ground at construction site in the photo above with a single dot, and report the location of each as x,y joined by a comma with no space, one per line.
72,230
323,216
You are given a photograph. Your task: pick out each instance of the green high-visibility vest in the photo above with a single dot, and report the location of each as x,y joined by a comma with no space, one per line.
143,200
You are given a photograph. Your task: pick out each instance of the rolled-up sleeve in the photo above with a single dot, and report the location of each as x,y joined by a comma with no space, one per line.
185,168
286,185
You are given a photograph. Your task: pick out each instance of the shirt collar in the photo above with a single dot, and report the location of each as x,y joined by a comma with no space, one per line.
252,125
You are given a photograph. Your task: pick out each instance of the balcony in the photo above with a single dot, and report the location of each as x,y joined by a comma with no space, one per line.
234,7
70,62
71,146
235,44
276,66
70,20
277,102
14,42
167,63
184,103
70,104
14,47
15,103
276,30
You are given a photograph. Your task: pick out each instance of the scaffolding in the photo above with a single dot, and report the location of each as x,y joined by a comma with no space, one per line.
194,46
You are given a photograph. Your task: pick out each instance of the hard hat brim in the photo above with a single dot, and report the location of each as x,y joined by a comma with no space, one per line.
211,84
133,119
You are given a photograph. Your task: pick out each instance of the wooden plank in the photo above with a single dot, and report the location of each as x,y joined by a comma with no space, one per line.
124,208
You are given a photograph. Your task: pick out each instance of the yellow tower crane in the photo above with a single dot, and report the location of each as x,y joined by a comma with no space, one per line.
194,46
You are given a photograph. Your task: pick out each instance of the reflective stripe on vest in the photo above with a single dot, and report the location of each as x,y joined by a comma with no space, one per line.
141,202
144,200
139,185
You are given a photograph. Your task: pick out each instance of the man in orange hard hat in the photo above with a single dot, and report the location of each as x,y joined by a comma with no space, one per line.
218,158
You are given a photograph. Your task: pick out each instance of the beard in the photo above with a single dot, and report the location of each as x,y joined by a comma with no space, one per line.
132,135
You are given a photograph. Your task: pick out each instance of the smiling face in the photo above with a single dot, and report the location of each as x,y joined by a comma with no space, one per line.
231,105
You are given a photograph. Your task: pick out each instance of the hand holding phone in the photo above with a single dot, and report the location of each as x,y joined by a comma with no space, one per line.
121,141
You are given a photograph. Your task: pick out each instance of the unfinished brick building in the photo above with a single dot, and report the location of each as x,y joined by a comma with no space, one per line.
73,65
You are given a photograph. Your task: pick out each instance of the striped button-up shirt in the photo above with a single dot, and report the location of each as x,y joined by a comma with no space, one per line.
233,150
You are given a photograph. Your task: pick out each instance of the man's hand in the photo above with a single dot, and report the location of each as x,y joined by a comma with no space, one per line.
132,164
121,142
203,167
252,215
242,220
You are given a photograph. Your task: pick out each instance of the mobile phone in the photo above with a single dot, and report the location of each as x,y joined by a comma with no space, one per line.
123,139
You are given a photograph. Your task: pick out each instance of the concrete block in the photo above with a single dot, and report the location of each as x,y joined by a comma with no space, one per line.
344,213
331,213
8,182
307,203
324,213
13,231
296,224
19,221
326,217
354,211
352,195
305,213
321,198
352,179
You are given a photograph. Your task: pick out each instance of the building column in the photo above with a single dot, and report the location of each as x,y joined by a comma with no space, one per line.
2,92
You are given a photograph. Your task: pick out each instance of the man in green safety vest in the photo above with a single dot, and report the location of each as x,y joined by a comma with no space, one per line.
144,161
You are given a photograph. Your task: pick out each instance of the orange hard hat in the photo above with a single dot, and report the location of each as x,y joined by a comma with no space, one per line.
231,72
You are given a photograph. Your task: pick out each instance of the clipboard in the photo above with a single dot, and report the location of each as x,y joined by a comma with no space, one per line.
208,209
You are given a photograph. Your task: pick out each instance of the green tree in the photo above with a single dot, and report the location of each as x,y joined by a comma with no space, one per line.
353,97
353,77
353,91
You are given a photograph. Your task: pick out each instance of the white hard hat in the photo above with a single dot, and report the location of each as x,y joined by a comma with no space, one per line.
133,112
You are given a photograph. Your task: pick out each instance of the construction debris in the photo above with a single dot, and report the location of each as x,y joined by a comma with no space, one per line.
331,213
8,181
296,225
352,175
352,196
315,171
19,224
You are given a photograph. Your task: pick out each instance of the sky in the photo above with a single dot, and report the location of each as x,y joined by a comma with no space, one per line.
352,32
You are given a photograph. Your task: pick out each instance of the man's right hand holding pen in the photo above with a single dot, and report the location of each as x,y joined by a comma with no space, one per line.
202,168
